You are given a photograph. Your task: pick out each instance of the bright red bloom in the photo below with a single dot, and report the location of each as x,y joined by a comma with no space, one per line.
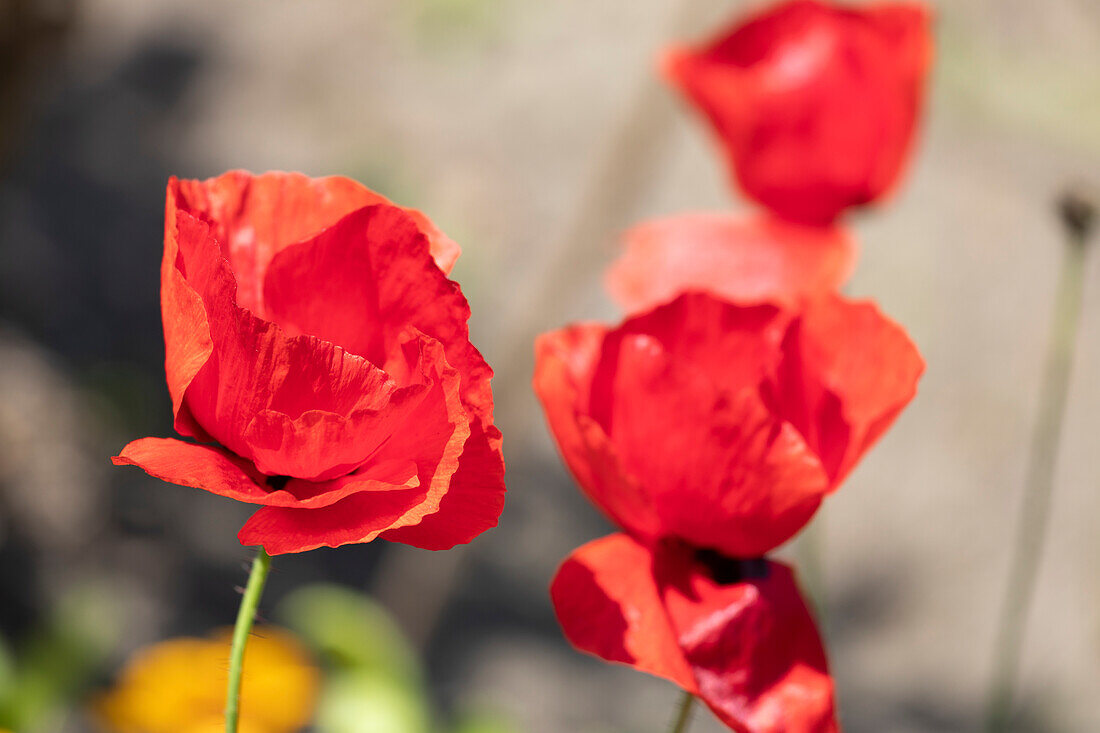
723,425
815,103
745,260
312,333
711,432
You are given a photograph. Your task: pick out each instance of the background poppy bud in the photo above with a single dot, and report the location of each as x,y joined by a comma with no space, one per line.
815,103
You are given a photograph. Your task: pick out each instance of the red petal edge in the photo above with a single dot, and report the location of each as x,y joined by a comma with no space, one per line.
744,260
608,605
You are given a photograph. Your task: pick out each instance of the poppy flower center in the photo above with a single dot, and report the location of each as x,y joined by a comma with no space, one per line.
277,483
730,570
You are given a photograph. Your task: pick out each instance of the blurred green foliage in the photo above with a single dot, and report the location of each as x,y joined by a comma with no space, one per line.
455,23
40,679
373,681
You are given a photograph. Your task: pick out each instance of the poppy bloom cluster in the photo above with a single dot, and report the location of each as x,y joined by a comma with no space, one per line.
710,433
815,104
742,389
320,356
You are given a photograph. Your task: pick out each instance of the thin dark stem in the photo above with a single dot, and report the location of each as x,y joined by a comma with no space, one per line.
683,717
245,616
810,553
1035,510
625,171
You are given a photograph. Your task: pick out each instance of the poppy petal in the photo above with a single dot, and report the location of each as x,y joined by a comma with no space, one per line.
735,346
256,216
319,445
750,642
608,605
390,475
367,277
199,466
358,518
188,343
565,365
220,472
433,435
723,470
473,501
847,373
256,367
744,260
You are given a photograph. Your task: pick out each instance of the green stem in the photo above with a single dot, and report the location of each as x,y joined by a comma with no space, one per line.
1035,510
683,717
245,616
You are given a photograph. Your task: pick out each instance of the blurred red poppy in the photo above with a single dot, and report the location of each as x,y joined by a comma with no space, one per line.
735,633
710,432
718,424
742,259
313,337
814,102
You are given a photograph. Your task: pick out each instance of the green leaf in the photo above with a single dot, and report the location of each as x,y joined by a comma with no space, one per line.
352,633
362,702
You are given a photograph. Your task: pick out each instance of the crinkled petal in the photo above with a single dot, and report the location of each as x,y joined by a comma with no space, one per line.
187,339
257,370
204,467
607,602
847,373
750,642
362,281
319,445
473,501
745,260
723,471
358,518
256,216
389,475
220,472
434,436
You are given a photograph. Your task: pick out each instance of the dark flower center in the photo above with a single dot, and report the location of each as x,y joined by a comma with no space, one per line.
729,570
277,483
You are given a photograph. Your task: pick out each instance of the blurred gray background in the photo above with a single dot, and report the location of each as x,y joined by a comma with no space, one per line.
532,132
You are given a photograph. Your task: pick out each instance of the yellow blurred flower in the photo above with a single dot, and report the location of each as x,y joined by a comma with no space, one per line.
178,686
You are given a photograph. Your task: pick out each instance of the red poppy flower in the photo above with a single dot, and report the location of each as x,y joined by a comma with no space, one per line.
711,432
815,103
736,633
718,424
312,336
745,260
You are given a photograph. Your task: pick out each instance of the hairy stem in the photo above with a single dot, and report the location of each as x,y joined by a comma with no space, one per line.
245,616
